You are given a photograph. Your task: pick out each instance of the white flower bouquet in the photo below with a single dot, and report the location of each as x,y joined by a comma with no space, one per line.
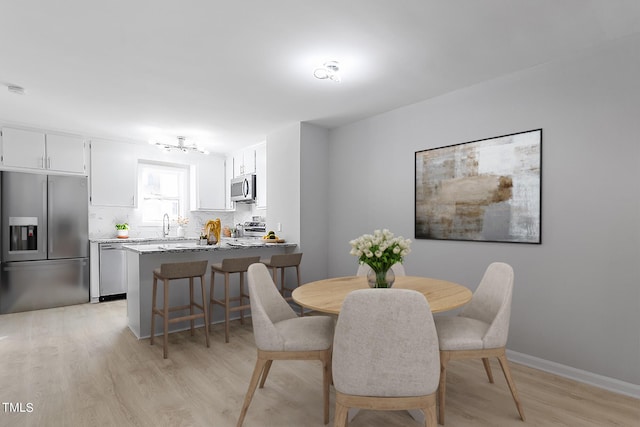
380,250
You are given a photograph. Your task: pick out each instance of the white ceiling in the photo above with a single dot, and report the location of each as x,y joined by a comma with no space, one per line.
227,73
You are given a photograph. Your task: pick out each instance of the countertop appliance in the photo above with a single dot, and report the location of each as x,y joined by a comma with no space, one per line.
254,229
243,188
113,271
44,238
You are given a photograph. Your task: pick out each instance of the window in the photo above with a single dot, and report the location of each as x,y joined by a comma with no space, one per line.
162,189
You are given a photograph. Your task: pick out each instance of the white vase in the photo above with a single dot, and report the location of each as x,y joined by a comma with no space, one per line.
180,231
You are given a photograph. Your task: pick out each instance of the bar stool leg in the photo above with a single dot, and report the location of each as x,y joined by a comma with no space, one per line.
226,307
191,312
211,294
298,274
282,281
153,308
166,319
241,296
204,308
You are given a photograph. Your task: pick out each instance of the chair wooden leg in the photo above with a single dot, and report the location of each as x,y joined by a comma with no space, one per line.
512,385
204,308
191,312
257,371
326,381
153,309
430,419
265,372
340,416
165,311
226,307
444,360
487,368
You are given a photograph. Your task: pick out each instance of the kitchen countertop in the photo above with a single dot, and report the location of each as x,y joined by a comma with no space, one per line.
141,239
193,246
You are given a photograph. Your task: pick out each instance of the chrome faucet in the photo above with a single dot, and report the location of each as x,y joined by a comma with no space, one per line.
165,228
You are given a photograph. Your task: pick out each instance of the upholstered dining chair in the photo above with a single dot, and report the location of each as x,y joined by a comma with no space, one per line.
385,354
480,330
281,335
398,269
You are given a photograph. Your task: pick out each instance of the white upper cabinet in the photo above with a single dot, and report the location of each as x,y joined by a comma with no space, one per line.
66,153
27,149
113,174
208,184
23,148
229,174
261,175
244,161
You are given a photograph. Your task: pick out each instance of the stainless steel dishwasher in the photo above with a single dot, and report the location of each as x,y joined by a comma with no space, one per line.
113,271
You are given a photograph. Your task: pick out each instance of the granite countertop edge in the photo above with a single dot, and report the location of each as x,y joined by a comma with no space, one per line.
142,250
140,239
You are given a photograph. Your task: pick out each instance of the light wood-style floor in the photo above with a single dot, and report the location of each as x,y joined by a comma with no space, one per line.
81,366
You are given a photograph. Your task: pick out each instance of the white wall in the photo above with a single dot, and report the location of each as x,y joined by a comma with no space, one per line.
315,227
577,295
283,182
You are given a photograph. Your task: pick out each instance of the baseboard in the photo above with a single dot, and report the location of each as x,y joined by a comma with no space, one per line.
607,383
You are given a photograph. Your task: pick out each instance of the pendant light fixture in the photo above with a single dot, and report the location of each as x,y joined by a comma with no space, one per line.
181,146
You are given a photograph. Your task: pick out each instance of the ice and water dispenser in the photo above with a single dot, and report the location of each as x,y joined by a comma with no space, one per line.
23,233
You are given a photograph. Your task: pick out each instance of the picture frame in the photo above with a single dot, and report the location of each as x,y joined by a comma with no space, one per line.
486,190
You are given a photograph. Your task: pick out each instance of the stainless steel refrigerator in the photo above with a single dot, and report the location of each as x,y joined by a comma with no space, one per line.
45,242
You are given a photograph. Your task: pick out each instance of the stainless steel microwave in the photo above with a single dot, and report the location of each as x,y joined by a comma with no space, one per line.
243,188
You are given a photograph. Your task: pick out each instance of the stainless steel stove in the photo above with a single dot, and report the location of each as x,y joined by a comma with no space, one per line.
254,229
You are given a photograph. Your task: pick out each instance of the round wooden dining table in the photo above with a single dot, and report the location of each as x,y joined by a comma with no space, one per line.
328,295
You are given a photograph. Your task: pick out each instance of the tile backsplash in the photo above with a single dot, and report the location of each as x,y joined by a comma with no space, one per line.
102,221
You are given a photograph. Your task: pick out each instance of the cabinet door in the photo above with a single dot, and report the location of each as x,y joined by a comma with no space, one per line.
23,148
65,153
113,174
261,176
249,160
208,184
229,174
237,163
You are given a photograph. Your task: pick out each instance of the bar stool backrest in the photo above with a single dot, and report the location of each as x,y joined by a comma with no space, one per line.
286,260
235,265
180,270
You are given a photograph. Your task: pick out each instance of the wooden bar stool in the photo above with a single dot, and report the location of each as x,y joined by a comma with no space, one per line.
172,271
226,267
281,262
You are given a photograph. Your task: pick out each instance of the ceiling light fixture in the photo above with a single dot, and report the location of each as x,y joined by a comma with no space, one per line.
329,70
15,89
180,147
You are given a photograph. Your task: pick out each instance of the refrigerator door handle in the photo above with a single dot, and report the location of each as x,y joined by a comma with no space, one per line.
49,210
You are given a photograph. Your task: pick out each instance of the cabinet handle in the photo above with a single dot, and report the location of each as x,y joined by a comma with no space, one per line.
48,162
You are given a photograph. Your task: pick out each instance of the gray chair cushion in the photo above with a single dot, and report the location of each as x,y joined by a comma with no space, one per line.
460,333
306,333
276,327
484,322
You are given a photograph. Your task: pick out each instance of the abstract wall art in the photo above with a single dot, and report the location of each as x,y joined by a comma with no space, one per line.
487,190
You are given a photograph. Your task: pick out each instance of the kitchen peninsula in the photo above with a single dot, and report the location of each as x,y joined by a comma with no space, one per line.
142,259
